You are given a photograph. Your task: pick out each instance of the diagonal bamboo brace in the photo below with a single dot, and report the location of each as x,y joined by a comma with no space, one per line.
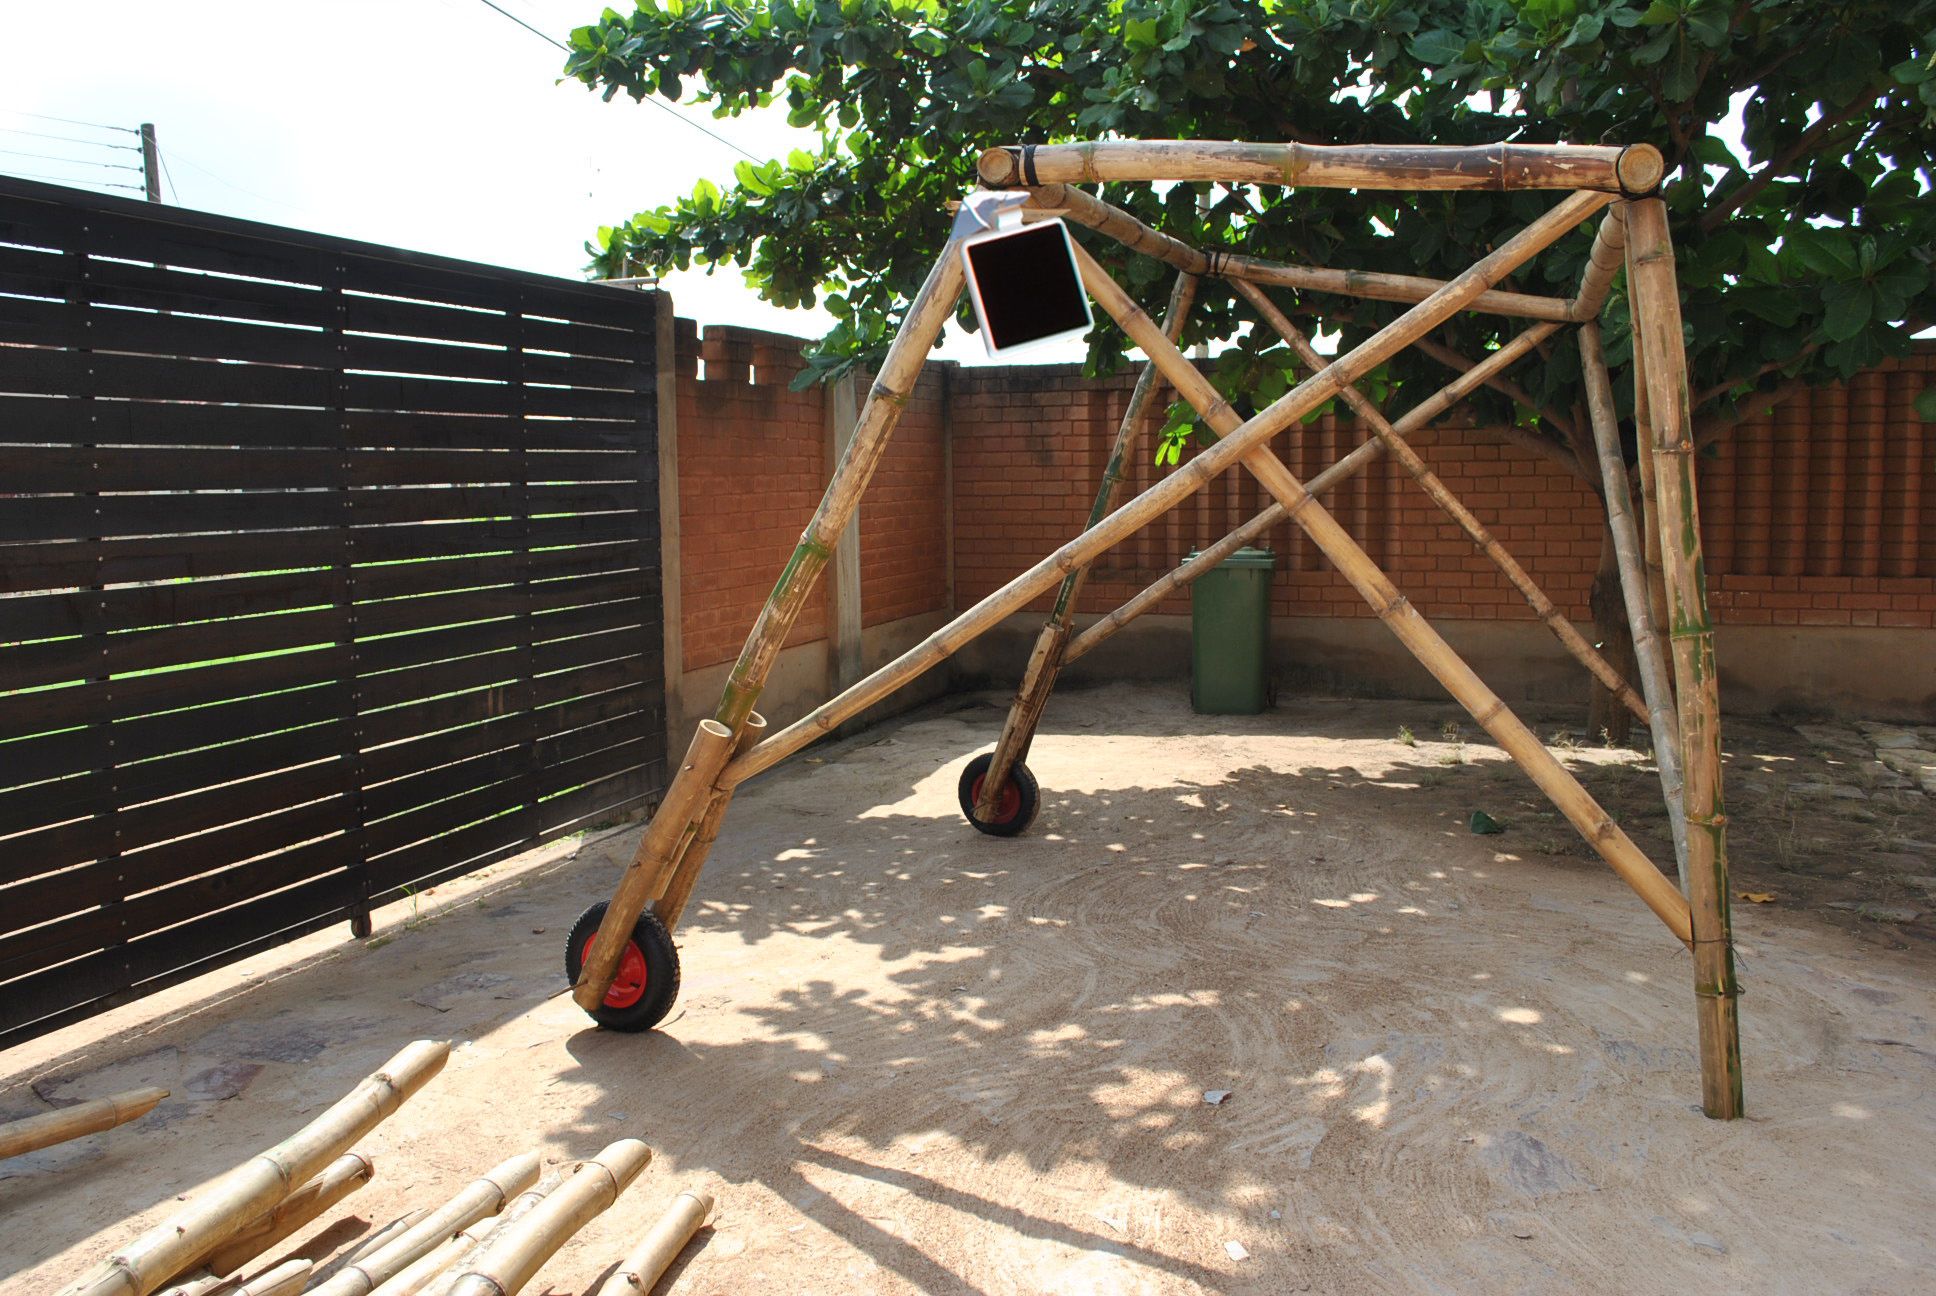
1661,722
1396,611
1179,485
1543,607
1045,661
1419,416
671,905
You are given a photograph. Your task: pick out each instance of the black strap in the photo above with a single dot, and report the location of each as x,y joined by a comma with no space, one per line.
1028,165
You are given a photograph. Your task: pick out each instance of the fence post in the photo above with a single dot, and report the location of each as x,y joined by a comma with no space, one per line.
665,360
843,572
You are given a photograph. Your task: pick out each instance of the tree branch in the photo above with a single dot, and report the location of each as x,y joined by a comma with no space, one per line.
1710,430
1804,142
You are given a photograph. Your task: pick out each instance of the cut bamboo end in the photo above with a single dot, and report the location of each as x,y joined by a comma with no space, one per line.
647,1262
36,1132
483,1196
255,1186
338,1180
658,854
517,1251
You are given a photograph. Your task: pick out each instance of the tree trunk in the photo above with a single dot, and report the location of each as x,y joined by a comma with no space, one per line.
1615,642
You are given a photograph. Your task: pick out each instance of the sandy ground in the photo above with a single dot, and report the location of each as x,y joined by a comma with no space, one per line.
908,1057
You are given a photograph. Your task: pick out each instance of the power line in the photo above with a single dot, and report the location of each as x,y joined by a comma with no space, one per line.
193,165
69,121
664,108
70,139
70,180
173,192
55,157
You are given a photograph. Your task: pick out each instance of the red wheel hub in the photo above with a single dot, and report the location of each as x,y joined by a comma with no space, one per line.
628,986
1007,807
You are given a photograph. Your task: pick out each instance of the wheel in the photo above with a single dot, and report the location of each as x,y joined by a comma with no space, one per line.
648,971
1019,802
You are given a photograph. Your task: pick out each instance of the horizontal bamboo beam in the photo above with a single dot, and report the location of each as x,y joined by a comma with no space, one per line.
255,1186
1418,417
1204,468
1635,169
1396,611
1476,531
1107,219
1380,286
36,1132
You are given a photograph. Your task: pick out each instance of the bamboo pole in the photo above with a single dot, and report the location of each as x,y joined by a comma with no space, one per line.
36,1132
1457,363
1661,721
1418,417
1397,612
1380,286
419,1274
285,1279
259,1183
1112,221
1647,471
671,906
517,1250
1603,261
389,1233
689,794
647,1262
1475,530
482,1197
652,863
931,308
1159,499
1045,660
1635,169
341,1177
1658,308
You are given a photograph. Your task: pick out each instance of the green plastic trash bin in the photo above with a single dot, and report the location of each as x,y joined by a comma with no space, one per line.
1230,635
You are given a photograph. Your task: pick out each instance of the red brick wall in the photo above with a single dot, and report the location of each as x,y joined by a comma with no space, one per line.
752,466
1821,514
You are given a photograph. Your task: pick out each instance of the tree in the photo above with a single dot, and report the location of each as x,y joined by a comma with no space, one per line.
1804,251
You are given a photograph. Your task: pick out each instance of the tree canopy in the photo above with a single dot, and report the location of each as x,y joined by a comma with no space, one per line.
1804,248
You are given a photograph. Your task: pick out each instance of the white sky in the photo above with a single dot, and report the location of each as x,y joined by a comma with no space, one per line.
435,125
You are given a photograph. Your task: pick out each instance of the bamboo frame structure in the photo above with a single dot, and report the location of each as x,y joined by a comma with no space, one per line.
35,1132
258,1184
1631,235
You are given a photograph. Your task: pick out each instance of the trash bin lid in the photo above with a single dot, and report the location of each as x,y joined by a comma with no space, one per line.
1250,558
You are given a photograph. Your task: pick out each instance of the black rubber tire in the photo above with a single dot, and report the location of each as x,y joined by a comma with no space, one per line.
654,942
1028,797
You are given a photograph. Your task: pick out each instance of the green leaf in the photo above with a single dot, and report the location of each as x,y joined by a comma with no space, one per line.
1437,48
1926,404
1659,13
1849,312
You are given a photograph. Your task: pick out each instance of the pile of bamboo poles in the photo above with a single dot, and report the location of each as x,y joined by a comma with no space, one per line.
489,1238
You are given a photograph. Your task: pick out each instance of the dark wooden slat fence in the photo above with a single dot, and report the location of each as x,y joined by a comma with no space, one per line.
327,572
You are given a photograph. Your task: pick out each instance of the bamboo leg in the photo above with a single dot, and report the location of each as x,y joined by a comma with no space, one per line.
1161,498
1633,587
1045,662
687,799
35,1132
1657,305
1397,612
1408,458
1645,471
671,906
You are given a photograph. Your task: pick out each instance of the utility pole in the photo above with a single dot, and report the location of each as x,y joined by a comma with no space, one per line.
150,162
